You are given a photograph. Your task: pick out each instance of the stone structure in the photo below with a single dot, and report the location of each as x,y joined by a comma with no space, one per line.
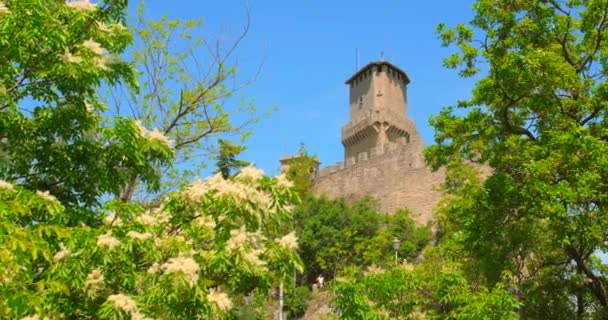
382,148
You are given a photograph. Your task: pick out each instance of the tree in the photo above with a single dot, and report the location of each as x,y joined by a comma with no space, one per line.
296,301
54,56
537,116
189,93
301,170
66,249
203,247
226,159
428,291
334,235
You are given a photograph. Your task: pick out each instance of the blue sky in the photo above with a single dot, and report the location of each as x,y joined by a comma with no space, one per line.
308,51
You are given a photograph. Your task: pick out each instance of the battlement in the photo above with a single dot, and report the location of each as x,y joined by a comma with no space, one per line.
411,153
368,124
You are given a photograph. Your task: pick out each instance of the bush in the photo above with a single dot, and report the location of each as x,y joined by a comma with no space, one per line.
296,302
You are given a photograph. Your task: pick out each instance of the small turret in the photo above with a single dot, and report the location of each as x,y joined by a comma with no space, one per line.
287,161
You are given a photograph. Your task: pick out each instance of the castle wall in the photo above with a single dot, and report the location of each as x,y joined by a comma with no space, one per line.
363,145
397,178
396,138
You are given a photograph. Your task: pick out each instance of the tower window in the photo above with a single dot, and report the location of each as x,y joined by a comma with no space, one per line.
360,102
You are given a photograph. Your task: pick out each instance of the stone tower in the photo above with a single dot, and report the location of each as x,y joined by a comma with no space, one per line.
382,148
378,107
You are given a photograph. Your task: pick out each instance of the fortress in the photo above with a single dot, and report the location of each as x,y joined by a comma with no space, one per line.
382,148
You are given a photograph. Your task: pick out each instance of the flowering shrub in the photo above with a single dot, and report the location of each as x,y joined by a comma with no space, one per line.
435,289
184,258
67,252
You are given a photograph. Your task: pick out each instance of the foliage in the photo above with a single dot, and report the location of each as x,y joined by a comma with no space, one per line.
226,159
436,289
413,238
189,92
180,260
301,168
53,58
537,116
334,235
66,249
296,301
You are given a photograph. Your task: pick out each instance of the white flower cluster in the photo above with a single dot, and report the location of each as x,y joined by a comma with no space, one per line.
106,240
62,254
103,27
71,58
418,315
196,190
289,241
282,181
373,269
84,5
153,268
94,280
153,217
126,304
154,135
94,46
3,8
407,266
89,107
205,222
250,173
146,219
138,235
289,208
140,128
253,257
46,196
113,219
6,186
239,238
139,316
220,299
185,265
100,53
241,193
34,317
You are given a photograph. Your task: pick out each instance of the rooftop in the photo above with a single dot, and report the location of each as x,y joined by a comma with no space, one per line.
379,63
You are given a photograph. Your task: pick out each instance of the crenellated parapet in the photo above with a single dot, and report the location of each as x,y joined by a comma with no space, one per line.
410,152
371,125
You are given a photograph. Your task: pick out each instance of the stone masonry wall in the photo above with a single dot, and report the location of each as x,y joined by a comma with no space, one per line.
398,179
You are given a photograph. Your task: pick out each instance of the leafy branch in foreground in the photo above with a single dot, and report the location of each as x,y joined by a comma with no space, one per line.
537,116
